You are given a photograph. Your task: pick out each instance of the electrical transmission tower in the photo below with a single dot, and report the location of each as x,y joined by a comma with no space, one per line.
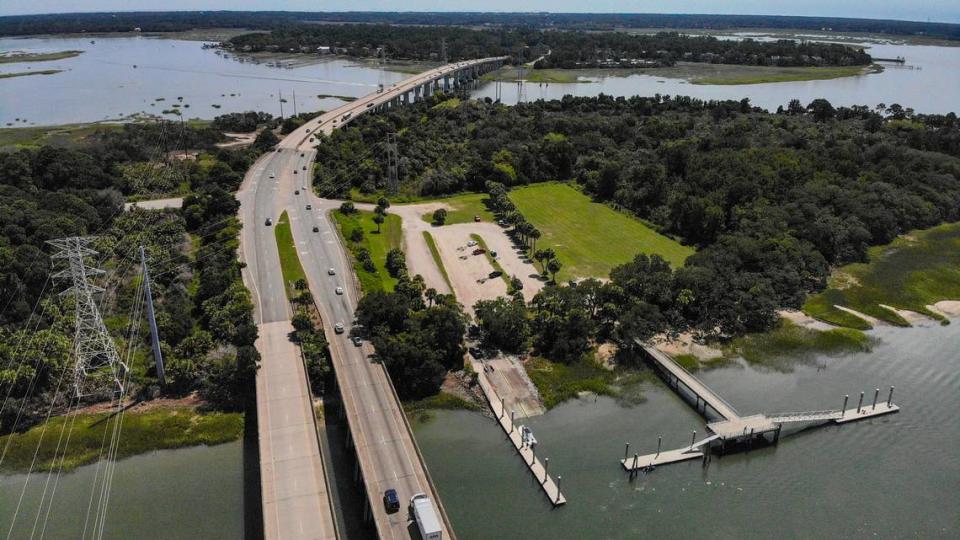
393,181
154,335
97,363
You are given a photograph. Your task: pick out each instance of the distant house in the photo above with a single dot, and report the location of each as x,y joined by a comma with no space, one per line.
137,29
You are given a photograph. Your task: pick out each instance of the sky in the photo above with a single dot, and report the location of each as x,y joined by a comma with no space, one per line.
916,10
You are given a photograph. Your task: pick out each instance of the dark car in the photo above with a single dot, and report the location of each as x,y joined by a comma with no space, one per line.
316,229
495,274
357,341
391,501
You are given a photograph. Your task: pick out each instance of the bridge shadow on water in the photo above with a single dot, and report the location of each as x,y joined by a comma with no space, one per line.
252,501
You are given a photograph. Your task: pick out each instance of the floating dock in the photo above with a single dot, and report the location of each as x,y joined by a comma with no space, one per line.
732,429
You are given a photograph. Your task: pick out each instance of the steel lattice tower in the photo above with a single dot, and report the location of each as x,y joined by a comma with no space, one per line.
393,180
94,352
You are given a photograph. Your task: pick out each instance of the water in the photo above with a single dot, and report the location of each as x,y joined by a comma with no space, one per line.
929,82
894,476
187,493
102,83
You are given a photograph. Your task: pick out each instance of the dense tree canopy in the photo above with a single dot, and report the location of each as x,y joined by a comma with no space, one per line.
771,200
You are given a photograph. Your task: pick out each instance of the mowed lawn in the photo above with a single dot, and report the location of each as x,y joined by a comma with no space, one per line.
377,244
590,238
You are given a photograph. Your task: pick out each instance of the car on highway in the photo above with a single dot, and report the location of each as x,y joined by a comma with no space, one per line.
304,167
357,341
296,192
391,501
316,229
294,171
309,207
338,328
302,154
369,105
272,175
339,290
308,130
268,222
331,272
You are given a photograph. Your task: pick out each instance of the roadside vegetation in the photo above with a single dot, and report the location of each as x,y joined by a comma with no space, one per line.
369,243
590,238
435,254
915,270
289,258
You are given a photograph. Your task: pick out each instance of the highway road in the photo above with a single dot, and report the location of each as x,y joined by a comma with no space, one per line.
296,500
384,443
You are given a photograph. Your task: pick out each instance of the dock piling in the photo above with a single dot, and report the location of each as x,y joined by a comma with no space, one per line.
635,458
843,410
659,443
860,405
503,407
546,469
559,478
512,413
890,397
626,452
694,439
876,394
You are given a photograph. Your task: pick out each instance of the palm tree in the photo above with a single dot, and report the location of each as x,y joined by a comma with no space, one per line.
534,235
431,295
554,266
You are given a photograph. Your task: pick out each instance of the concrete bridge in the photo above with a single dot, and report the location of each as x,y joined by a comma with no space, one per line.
727,428
297,500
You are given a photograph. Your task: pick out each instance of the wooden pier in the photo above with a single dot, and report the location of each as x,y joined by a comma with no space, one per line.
538,468
732,429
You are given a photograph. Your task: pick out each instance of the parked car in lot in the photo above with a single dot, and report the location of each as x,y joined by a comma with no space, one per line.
479,251
495,274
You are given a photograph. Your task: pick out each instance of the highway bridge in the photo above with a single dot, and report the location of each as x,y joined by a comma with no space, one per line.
296,502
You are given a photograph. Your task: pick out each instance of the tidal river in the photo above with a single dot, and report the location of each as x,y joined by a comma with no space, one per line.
896,476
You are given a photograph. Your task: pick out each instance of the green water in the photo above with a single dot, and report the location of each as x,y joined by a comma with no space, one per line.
894,476
188,493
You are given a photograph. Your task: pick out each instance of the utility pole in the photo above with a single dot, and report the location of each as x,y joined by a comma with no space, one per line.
154,335
94,352
393,181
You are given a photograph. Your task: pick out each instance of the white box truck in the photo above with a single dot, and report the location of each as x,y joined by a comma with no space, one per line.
426,517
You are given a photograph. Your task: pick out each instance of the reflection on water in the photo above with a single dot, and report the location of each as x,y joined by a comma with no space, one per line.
188,493
929,82
895,476
117,77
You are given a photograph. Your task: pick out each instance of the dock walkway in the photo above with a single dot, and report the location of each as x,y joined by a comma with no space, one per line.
539,469
700,390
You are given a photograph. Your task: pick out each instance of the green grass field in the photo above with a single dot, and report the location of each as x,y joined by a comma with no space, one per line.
915,270
463,208
589,238
289,260
378,244
156,429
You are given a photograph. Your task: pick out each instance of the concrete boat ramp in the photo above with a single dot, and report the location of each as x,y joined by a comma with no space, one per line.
731,429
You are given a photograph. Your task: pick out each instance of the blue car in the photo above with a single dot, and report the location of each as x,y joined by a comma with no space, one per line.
391,501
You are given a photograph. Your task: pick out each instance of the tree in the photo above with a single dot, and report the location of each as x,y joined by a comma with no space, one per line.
347,208
439,216
396,262
356,235
554,266
383,202
534,235
266,140
504,323
378,219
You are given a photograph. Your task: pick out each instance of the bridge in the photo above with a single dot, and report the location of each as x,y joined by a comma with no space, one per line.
728,428
294,486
